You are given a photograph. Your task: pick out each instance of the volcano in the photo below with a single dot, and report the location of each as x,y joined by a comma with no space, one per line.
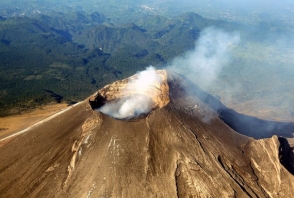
181,147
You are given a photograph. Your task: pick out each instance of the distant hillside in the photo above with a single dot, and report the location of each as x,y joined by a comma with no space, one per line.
73,54
35,57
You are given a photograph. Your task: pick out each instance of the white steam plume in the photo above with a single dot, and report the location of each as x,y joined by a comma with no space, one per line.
210,55
137,104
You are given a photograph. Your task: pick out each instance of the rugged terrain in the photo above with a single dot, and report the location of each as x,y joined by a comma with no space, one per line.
183,149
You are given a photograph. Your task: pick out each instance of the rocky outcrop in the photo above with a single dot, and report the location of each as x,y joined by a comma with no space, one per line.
180,150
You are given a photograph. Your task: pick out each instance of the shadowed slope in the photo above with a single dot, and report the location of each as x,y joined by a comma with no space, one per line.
244,124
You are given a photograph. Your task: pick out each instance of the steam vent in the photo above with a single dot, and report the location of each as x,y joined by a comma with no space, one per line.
134,97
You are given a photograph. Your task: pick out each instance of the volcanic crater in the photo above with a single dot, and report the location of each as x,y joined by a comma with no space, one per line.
134,96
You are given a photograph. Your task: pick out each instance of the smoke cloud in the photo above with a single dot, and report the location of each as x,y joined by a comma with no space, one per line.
137,104
212,52
218,53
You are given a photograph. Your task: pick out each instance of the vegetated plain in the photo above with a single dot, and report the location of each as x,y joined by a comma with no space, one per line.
67,54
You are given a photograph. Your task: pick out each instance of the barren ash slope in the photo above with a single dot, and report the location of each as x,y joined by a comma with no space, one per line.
176,147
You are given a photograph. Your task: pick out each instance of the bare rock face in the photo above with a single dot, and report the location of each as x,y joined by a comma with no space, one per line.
180,150
274,179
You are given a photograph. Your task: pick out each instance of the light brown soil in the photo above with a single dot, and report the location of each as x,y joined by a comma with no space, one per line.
11,124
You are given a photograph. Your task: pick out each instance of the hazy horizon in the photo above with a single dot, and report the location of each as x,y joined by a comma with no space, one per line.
214,8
